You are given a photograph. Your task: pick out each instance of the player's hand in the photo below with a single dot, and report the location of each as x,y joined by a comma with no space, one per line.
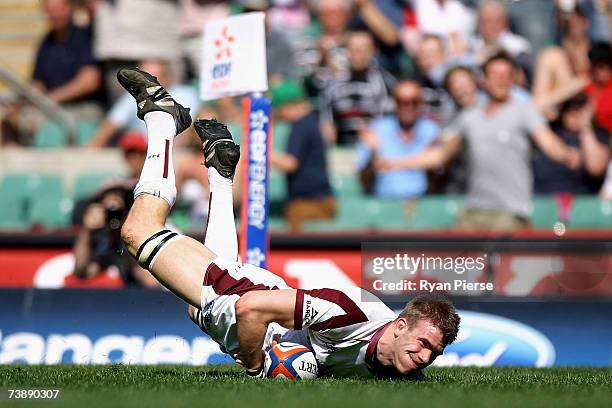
254,372
238,359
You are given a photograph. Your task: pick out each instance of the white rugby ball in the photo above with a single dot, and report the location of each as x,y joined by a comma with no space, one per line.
290,361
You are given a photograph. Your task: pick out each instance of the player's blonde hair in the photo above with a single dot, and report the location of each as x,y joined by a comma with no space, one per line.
440,312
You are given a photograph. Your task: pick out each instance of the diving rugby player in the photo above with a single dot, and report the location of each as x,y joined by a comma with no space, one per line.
242,307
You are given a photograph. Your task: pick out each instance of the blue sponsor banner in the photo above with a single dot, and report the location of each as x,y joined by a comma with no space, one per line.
255,204
139,326
563,332
131,326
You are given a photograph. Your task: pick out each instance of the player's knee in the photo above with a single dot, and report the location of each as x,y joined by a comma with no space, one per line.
137,228
134,232
130,235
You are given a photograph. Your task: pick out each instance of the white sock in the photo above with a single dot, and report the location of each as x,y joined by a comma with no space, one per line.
220,235
157,176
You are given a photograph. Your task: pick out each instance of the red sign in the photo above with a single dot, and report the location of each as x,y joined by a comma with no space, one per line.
513,274
52,268
520,274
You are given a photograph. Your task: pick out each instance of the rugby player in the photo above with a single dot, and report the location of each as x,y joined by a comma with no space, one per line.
243,307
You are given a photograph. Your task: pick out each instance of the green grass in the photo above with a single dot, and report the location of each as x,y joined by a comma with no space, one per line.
220,386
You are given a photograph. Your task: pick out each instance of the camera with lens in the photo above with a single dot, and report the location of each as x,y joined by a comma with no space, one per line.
114,216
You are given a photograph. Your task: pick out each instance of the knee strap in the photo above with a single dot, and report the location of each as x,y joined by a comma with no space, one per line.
149,249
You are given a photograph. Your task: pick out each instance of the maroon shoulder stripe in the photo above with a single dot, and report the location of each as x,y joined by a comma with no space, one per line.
353,314
298,314
225,284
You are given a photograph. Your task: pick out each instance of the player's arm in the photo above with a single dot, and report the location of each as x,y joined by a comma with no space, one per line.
254,312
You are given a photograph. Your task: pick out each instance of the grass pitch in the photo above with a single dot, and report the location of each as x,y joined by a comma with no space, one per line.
221,386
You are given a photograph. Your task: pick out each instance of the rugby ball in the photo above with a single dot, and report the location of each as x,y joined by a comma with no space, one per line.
290,361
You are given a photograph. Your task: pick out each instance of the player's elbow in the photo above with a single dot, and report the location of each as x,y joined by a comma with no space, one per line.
247,308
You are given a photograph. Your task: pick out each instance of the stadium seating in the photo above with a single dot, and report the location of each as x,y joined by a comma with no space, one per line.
591,212
346,185
85,131
545,212
51,134
47,200
435,212
362,213
23,193
50,211
87,183
278,186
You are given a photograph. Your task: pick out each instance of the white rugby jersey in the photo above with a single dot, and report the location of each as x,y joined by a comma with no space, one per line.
344,327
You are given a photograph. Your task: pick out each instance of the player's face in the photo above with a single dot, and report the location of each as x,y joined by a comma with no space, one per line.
416,347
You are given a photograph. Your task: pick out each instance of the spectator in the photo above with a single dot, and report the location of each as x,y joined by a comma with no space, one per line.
127,31
383,19
279,55
328,56
304,162
192,183
432,64
65,69
134,148
450,20
461,86
352,99
291,18
494,35
498,152
562,71
600,88
335,18
574,127
606,190
98,248
194,16
122,115
533,20
394,137
598,13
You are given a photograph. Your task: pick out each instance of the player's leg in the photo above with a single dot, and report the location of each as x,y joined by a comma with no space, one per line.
221,156
178,262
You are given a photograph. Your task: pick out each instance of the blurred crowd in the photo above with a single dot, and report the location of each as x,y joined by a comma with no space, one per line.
491,99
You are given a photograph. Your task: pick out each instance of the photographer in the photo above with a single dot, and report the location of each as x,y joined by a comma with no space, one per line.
98,247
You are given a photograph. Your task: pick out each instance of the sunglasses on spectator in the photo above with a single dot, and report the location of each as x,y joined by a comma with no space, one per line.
408,101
